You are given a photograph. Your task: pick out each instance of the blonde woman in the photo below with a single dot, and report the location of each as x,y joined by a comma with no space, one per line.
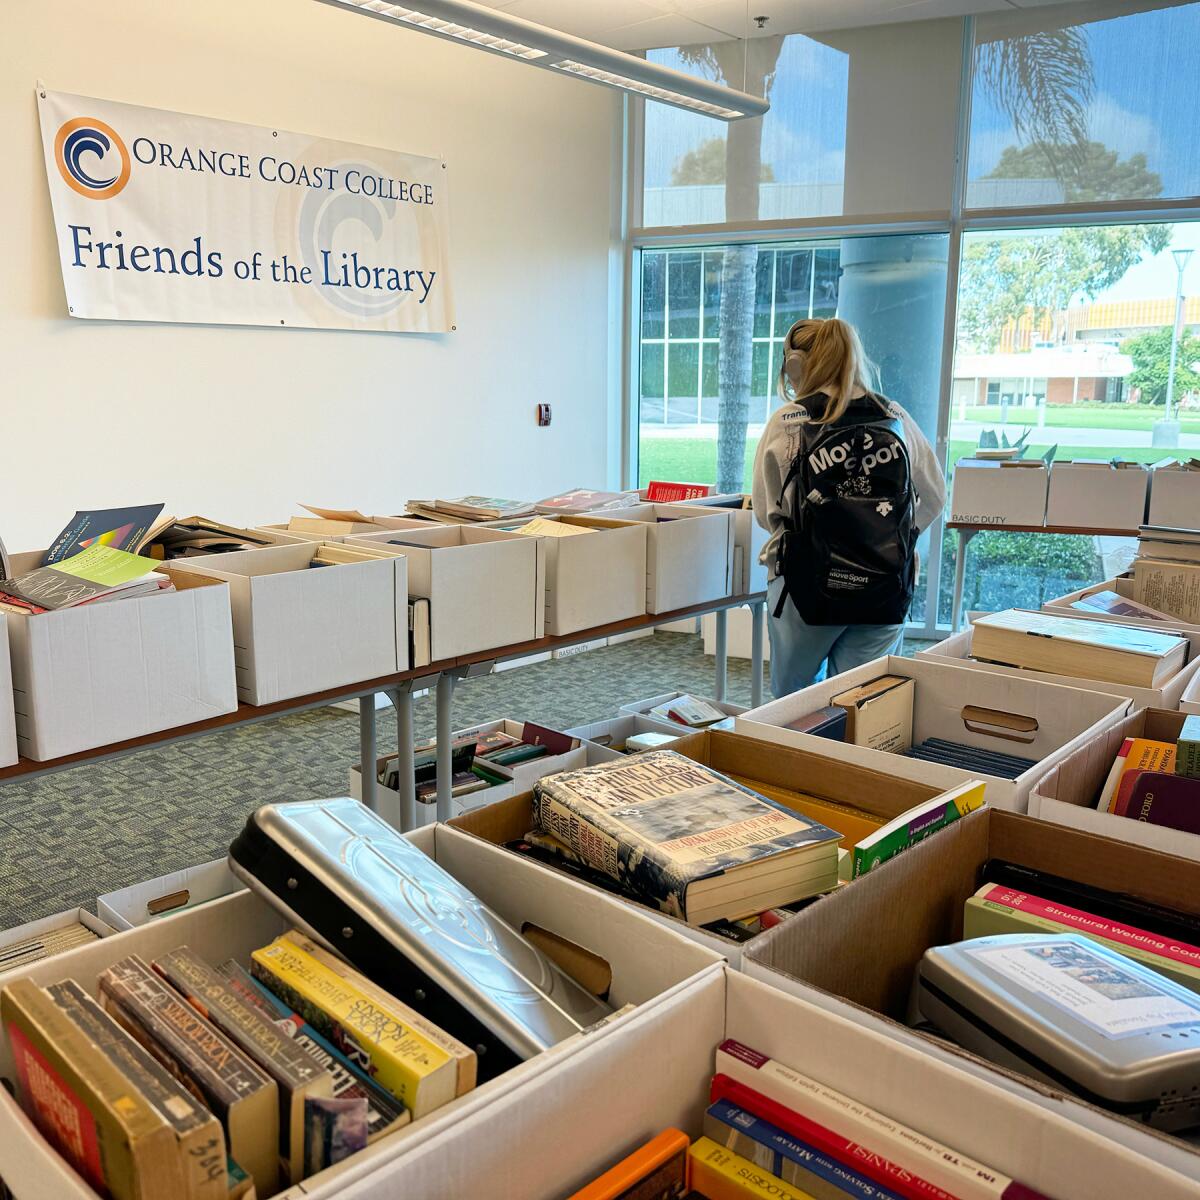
844,482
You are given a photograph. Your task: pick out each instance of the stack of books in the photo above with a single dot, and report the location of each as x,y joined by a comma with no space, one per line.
204,1081
970,758
581,500
772,1131
93,576
467,510
1166,572
1157,782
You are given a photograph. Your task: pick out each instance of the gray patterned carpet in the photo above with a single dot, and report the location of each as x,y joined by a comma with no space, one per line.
70,837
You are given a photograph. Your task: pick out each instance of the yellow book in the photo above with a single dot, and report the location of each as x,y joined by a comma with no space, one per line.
407,1063
463,1055
719,1174
540,527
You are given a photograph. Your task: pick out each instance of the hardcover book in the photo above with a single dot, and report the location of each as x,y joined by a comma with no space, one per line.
1077,647
198,1134
828,722
1187,750
411,1066
85,1107
660,491
1160,798
240,1093
681,836
297,1075
1135,754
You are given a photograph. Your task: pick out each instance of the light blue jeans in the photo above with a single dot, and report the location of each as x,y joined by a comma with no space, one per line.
802,654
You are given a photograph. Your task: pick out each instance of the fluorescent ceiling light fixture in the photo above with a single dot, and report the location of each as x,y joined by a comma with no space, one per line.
500,33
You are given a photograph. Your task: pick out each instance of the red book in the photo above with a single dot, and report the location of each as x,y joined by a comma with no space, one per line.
1161,798
658,492
873,1166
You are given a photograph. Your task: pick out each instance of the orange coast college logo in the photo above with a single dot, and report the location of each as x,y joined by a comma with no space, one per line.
91,158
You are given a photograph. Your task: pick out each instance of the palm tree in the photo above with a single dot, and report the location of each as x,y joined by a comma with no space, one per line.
749,65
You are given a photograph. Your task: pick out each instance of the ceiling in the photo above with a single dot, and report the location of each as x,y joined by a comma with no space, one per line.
641,24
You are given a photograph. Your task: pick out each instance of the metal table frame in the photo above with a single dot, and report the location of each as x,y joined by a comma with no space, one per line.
440,676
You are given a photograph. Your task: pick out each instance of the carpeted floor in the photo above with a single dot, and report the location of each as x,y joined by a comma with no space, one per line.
69,837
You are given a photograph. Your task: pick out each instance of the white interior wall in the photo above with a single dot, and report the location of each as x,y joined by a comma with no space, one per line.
242,423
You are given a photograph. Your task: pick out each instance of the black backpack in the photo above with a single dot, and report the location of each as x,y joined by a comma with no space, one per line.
847,552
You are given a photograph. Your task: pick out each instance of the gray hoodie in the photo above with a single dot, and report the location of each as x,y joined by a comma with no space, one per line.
779,445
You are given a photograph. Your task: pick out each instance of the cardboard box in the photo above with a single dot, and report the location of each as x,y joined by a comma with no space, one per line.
662,1069
1097,495
616,730
44,925
739,633
102,673
140,903
643,707
8,721
1174,497
299,630
956,650
1189,702
524,775
650,967
1068,794
689,554
987,492
895,914
749,538
1011,714
485,587
846,794
282,533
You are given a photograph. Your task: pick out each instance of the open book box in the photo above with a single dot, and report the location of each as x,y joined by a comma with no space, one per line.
847,798
1068,794
689,554
595,578
102,673
1097,495
524,774
607,945
956,649
615,731
1125,587
579,1125
8,722
888,919
140,903
749,537
299,629
990,492
335,527
1174,496
1011,714
485,587
666,724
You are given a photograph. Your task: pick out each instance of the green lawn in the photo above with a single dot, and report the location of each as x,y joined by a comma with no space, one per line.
1079,416
694,460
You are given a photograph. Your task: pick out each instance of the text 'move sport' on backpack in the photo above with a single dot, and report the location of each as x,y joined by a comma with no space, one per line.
847,552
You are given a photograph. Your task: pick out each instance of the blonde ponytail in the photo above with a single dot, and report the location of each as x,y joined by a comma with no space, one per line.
824,357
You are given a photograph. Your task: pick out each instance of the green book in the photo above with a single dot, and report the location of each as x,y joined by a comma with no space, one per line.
914,826
1187,755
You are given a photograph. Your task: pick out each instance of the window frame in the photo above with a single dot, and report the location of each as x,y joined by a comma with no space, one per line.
955,221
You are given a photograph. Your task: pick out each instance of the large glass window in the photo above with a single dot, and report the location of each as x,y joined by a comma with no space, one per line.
1063,348
1066,110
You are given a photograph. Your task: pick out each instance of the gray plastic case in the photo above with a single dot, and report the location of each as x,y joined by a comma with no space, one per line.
1069,1011
346,877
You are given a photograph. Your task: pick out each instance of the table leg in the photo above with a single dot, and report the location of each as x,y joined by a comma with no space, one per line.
402,698
445,697
366,750
756,653
960,574
722,655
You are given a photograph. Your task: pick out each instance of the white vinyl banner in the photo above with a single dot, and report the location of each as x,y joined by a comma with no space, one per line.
162,216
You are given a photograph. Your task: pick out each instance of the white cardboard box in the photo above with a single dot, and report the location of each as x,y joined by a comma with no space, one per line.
985,492
524,775
957,648
1097,495
1067,794
44,925
102,673
1174,497
739,632
1058,1147
642,708
689,554
376,525
620,728
8,721
140,903
299,630
749,538
485,587
651,967
1189,702
1024,717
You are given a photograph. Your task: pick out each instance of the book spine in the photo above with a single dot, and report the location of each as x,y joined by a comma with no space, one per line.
870,854
1085,922
399,1058
940,1165
719,1174
1187,759
1156,802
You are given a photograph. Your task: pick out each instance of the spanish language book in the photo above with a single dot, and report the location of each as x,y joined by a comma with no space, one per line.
683,837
